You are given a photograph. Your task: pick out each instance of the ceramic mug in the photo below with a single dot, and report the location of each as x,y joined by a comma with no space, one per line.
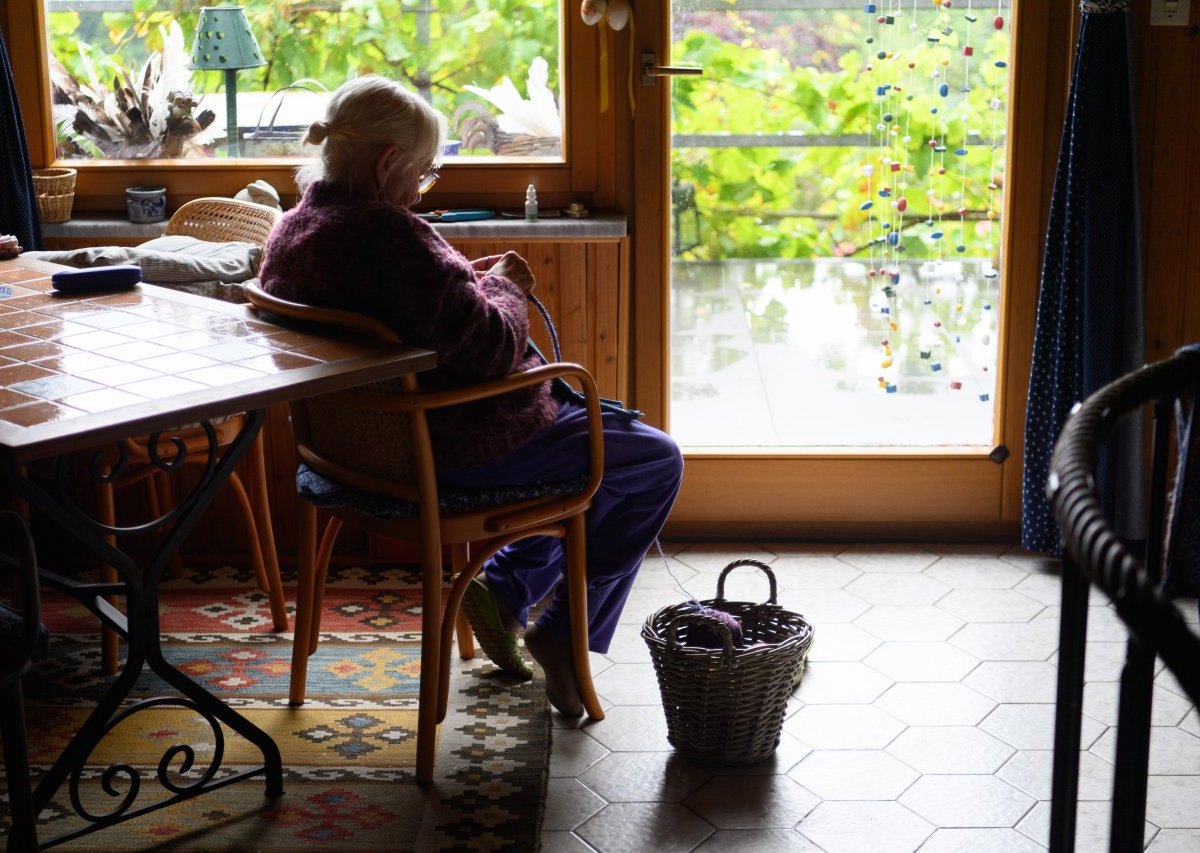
146,204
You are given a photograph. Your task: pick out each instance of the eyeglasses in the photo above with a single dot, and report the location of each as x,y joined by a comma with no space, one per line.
426,181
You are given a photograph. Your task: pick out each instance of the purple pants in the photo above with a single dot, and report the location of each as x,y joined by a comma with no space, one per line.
642,471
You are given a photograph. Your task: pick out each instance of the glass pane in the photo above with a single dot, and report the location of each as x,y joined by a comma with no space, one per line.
124,85
837,176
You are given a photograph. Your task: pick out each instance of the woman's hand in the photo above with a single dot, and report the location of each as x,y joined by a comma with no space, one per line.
514,268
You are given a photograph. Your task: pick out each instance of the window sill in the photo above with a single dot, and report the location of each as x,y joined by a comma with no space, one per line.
96,230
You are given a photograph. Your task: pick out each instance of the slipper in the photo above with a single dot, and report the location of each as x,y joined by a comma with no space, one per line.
498,642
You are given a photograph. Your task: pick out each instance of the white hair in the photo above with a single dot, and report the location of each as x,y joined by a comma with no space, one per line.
364,116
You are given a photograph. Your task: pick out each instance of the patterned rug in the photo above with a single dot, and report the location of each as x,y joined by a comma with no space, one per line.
348,753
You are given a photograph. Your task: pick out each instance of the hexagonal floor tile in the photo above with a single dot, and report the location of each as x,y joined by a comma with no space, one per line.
843,726
574,751
629,684
637,827
990,605
802,573
962,572
790,751
865,827
1014,681
911,623
1175,841
1092,821
967,801
841,683
569,803
1031,771
851,774
841,641
980,841
1173,752
823,605
1173,801
712,557
644,777
903,661
885,557
936,704
1034,640
904,588
1100,703
632,728
757,841
950,749
752,802
1031,726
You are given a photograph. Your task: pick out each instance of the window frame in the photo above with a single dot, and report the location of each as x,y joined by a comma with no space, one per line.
497,182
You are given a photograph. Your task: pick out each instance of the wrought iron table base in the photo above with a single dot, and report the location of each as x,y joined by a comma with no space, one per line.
140,626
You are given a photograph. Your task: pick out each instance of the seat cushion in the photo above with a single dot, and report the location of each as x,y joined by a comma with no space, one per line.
325,493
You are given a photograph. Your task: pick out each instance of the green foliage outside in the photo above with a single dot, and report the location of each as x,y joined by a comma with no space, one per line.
434,46
767,73
806,72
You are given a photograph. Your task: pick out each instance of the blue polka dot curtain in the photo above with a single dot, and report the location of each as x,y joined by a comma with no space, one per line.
18,203
1089,318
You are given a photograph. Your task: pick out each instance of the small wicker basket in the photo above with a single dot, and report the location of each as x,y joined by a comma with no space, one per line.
55,190
726,706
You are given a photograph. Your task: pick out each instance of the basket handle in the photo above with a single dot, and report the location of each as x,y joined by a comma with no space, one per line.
696,618
758,565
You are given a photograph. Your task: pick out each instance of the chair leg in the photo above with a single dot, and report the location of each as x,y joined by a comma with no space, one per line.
161,492
257,465
320,573
306,547
576,548
22,834
459,555
266,578
431,657
110,641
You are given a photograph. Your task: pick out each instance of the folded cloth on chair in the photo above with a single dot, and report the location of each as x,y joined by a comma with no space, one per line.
323,492
1182,556
177,261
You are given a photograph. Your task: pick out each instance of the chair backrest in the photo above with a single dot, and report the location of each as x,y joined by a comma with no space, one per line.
366,438
224,220
1133,583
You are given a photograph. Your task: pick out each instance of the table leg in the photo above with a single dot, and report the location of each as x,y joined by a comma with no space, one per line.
141,626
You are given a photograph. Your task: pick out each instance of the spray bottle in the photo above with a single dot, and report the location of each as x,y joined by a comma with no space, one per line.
531,204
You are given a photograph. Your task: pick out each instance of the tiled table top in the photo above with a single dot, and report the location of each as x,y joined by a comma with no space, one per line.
77,371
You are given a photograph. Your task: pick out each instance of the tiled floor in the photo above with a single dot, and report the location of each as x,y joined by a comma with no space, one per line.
924,721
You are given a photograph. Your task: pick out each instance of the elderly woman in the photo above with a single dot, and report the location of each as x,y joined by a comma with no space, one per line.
353,243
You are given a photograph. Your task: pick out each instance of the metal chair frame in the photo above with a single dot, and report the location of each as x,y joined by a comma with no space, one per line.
1094,554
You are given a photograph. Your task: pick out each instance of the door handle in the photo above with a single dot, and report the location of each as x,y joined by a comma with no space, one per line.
650,71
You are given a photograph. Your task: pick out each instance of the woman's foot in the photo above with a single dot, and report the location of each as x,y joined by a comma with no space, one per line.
493,626
554,656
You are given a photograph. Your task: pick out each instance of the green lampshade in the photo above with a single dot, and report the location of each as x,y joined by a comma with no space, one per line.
224,41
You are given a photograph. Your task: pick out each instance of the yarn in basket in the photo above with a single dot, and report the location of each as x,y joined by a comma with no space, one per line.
705,636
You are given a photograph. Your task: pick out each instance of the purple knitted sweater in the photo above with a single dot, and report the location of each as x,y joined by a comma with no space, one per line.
378,259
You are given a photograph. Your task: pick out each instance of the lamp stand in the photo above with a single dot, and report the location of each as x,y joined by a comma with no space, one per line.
231,125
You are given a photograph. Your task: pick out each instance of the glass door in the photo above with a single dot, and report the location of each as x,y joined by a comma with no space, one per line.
836,304
836,211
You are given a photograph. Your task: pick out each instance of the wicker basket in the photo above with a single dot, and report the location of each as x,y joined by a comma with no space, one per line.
55,190
725,706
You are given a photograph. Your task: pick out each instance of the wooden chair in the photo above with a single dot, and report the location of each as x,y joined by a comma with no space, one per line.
373,445
1142,586
218,220
21,634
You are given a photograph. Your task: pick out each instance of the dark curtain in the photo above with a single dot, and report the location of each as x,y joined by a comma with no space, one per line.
1089,318
18,201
